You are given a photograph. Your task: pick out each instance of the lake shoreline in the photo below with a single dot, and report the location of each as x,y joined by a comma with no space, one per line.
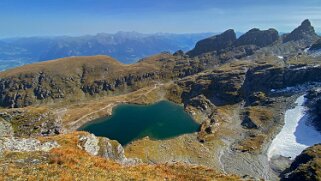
161,120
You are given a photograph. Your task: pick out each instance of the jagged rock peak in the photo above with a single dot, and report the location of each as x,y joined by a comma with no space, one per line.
306,23
214,43
304,32
260,38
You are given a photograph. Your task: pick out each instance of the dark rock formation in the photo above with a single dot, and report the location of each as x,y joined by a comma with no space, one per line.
306,166
200,102
314,104
304,32
266,77
214,43
316,46
247,122
220,87
179,53
238,52
258,99
258,38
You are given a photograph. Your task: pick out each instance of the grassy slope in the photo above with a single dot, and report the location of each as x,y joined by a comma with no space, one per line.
69,162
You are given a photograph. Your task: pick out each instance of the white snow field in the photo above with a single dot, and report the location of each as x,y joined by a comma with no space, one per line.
296,134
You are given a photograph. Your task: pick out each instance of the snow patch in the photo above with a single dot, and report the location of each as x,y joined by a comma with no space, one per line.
296,134
298,88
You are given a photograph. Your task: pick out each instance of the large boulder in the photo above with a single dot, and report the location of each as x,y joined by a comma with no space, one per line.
106,148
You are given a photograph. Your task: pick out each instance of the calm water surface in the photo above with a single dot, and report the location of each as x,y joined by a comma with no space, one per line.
129,122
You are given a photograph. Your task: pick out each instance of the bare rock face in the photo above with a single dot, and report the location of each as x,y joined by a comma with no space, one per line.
106,148
304,32
90,144
200,102
258,38
313,101
25,145
214,43
316,46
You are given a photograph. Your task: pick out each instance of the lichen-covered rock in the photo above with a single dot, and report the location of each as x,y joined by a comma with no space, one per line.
89,144
25,145
106,148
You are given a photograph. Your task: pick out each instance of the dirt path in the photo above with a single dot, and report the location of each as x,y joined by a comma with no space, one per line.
91,115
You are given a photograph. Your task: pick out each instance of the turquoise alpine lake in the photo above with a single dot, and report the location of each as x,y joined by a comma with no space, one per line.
130,122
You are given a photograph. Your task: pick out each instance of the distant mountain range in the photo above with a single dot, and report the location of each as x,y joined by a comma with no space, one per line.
127,47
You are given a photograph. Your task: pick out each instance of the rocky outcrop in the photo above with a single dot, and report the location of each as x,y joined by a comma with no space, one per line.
316,46
306,166
81,76
220,87
22,91
105,148
25,145
214,43
247,122
258,38
32,122
313,102
202,103
226,43
304,32
238,52
266,77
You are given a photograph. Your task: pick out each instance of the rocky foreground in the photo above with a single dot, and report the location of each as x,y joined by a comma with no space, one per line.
237,89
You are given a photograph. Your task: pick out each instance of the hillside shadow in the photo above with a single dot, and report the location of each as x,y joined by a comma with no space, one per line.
305,133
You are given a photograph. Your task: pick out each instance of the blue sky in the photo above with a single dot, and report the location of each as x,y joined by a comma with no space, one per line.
78,17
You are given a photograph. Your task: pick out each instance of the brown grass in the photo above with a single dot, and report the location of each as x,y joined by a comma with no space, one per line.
68,162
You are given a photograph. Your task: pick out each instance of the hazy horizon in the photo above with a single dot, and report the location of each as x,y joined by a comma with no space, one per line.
84,17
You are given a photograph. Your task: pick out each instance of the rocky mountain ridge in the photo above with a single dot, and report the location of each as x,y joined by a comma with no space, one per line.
305,35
